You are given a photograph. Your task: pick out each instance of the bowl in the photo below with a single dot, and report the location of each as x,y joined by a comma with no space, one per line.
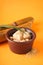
20,47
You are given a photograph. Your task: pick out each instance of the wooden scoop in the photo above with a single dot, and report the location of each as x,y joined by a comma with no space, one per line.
16,23
23,21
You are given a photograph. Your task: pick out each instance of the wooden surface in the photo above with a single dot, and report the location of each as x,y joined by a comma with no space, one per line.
12,10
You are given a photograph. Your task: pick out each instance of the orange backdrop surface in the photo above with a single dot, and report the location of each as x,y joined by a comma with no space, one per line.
12,10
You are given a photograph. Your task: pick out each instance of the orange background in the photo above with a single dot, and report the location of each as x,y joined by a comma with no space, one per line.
12,10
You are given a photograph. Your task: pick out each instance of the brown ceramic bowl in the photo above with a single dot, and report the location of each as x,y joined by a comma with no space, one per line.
20,47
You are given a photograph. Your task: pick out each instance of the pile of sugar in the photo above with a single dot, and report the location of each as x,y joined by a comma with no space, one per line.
21,36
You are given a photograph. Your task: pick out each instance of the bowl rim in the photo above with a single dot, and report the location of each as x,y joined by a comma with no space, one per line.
34,35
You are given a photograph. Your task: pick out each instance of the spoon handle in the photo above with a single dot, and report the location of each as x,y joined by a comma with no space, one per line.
17,23
23,21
